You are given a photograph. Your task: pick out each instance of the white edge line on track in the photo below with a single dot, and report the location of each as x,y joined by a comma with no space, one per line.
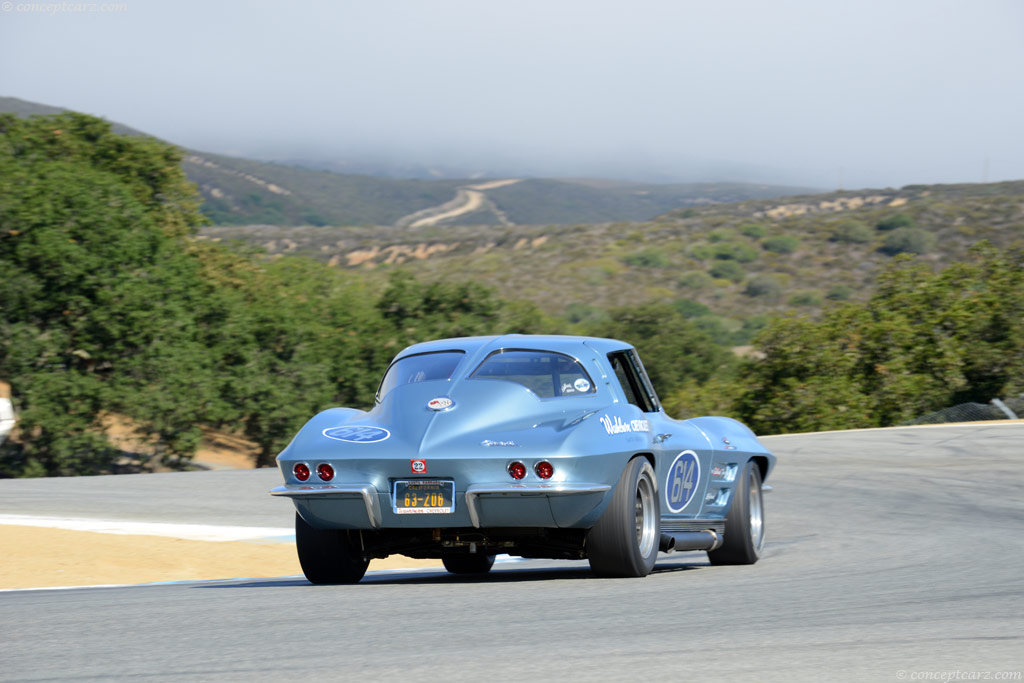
375,572
189,532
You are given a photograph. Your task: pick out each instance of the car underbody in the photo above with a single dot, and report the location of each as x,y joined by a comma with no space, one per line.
438,543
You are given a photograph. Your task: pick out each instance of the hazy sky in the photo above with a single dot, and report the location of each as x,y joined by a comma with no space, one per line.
892,92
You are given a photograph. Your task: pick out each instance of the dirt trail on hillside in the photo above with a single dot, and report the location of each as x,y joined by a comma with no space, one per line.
468,198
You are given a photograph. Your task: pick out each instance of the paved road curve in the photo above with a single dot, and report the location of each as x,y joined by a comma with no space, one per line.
891,553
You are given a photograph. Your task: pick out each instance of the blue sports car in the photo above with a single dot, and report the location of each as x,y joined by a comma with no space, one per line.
535,446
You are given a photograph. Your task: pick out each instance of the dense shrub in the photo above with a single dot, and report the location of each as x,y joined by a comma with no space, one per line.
897,220
908,241
781,244
702,251
753,230
767,286
721,235
839,293
728,270
695,280
734,251
585,313
690,309
851,231
650,257
804,299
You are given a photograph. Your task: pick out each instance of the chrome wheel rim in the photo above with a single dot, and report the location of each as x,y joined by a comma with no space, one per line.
756,513
645,520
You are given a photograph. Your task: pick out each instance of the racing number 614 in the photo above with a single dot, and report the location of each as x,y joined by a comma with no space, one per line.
683,480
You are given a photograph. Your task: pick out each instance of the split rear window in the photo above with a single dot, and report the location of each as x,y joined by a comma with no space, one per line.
420,367
546,373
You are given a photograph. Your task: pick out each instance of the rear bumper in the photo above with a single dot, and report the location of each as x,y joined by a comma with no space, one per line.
482,499
362,506
338,496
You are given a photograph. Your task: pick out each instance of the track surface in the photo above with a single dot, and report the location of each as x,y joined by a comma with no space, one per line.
891,553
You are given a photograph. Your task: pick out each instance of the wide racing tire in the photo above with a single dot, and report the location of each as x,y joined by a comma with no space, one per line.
624,542
744,525
329,555
470,563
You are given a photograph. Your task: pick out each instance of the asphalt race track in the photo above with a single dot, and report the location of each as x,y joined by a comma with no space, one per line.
892,554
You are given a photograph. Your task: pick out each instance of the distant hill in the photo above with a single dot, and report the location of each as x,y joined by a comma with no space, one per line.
723,263
540,201
237,191
13,105
243,191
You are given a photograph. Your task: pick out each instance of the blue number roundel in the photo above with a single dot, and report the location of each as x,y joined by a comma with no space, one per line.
682,481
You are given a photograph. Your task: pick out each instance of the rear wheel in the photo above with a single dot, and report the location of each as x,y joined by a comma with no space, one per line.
329,555
744,525
473,563
624,542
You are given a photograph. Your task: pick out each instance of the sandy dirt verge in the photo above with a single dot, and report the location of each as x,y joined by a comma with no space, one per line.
35,557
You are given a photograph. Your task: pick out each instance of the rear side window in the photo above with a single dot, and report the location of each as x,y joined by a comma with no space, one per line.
545,373
420,367
634,381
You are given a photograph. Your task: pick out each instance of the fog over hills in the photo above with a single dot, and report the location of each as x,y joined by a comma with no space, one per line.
808,93
245,191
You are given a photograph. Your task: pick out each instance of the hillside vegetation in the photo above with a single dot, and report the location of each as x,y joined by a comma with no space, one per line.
108,306
112,305
725,266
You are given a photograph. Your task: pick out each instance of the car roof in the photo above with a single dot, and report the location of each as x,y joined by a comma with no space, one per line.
570,345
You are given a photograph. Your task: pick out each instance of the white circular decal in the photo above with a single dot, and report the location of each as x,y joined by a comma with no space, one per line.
582,385
440,403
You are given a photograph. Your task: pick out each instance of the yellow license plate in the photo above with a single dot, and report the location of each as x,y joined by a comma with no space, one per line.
421,496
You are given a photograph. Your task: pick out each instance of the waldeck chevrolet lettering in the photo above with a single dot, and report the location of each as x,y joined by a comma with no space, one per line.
536,446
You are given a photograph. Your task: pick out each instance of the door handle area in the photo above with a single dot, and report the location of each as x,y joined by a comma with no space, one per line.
660,438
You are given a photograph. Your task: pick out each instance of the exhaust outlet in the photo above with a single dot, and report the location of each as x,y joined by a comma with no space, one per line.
690,540
667,543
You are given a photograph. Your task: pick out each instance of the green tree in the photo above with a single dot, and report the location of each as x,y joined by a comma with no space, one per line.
804,378
418,312
673,348
89,227
924,341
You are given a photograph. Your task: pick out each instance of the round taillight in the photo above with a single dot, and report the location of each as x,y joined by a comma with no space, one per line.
325,471
517,470
544,469
301,471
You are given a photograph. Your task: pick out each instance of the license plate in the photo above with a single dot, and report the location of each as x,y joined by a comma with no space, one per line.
421,496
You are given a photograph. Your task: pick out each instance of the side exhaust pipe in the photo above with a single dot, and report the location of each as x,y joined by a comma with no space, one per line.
667,543
689,540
